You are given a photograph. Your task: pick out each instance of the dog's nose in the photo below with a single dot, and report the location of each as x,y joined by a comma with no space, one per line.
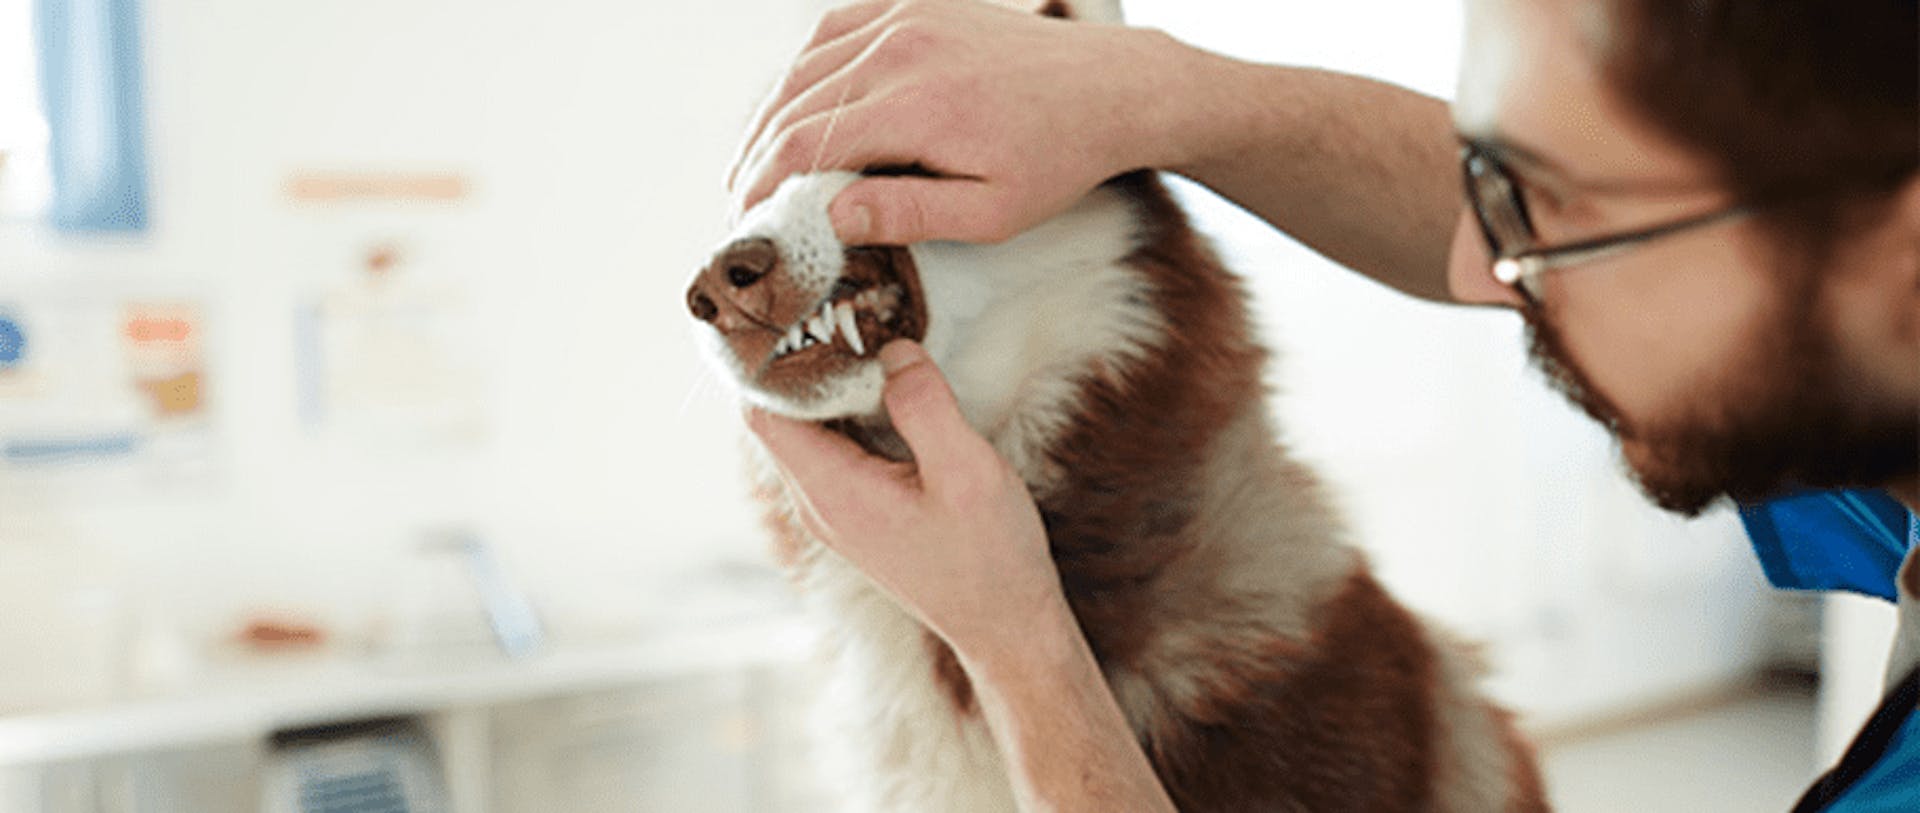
701,305
727,285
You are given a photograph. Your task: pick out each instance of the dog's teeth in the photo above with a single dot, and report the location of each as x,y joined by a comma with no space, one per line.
843,315
794,336
819,328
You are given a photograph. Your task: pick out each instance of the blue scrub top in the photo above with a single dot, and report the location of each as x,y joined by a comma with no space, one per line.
1853,541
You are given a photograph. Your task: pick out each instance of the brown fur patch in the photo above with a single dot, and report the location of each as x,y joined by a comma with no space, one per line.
1135,453
1528,794
1347,725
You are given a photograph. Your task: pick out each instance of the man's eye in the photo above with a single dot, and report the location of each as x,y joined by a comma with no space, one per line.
1542,198
1555,205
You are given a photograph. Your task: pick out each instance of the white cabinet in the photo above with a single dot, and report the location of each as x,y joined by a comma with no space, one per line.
201,779
702,720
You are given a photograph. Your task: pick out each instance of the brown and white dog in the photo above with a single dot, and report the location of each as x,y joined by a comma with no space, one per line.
1109,357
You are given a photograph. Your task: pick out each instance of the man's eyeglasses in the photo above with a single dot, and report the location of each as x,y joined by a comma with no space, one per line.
1518,259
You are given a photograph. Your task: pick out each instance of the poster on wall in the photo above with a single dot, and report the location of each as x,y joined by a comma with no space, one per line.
389,359
390,352
101,391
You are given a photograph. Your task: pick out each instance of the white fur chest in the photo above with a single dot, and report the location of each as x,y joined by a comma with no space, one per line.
886,731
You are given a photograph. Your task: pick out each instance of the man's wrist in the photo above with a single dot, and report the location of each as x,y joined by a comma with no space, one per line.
1037,644
1156,85
1200,107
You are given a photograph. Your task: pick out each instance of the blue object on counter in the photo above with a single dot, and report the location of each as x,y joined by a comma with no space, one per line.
516,628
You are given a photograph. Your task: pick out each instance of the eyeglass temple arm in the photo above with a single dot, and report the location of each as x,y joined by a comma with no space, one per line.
1511,268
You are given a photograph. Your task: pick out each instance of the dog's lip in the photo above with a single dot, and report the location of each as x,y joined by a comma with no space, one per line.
761,322
804,353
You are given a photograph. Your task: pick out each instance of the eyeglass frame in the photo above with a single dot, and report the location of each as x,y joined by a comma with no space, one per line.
1517,261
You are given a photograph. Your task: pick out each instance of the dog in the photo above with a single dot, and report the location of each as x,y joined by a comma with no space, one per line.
1110,358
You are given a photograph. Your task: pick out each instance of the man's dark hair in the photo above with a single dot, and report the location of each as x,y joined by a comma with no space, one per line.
1788,97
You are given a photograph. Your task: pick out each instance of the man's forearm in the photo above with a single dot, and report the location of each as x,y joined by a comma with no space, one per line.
1359,170
1068,746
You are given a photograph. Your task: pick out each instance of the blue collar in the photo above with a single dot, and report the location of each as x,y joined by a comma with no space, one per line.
1833,540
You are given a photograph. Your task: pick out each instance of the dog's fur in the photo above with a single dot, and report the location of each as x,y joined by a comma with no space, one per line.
1110,359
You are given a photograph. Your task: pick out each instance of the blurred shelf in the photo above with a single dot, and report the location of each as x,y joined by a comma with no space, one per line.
246,701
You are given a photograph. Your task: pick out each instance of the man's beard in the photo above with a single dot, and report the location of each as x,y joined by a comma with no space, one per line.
1775,420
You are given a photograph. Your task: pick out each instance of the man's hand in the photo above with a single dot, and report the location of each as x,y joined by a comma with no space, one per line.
954,537
1019,116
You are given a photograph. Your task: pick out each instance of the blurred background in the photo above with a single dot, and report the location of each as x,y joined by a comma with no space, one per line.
355,455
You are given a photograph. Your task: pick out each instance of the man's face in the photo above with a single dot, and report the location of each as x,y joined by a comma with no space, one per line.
1713,354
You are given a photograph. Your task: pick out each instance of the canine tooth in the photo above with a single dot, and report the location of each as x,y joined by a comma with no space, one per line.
794,334
849,328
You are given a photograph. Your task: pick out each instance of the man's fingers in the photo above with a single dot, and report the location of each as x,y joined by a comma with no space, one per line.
839,22
821,59
928,418
831,472
832,96
838,138
898,211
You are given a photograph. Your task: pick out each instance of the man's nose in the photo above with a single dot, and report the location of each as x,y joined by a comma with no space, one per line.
727,285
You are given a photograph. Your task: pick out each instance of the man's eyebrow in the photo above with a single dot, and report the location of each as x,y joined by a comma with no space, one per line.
1533,165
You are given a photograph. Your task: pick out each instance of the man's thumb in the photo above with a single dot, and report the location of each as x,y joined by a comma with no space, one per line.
926,414
897,211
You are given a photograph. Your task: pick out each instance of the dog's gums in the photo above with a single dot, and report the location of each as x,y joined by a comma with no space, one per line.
850,315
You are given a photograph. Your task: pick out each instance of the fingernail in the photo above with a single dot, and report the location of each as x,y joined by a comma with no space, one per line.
854,224
899,353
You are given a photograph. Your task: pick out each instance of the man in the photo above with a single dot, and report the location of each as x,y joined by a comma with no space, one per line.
1707,212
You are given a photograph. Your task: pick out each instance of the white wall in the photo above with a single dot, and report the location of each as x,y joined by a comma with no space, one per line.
594,135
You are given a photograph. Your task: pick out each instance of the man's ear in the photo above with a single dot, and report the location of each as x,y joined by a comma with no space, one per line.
1902,270
1871,289
1909,214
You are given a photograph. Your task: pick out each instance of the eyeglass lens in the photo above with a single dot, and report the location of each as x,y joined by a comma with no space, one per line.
1496,200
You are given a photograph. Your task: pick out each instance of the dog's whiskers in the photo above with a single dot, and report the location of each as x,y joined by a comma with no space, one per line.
704,382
